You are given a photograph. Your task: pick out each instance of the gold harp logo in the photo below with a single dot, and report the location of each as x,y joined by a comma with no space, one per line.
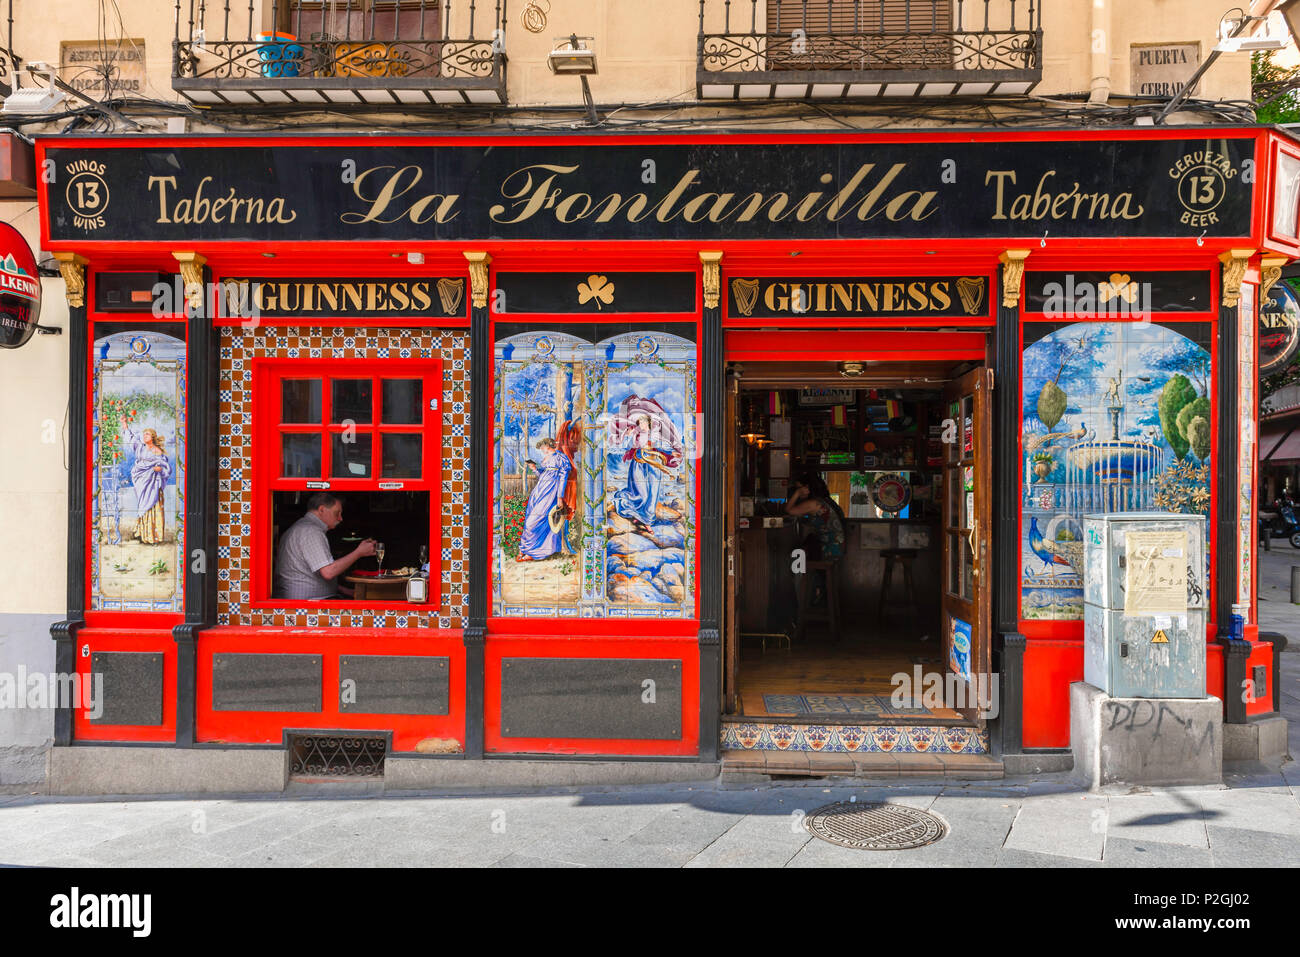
450,292
971,291
745,292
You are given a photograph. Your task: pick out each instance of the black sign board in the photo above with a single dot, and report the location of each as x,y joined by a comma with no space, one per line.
20,289
858,298
595,293
1116,292
604,190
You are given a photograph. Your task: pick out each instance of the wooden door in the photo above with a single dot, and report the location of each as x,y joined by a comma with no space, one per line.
730,554
967,595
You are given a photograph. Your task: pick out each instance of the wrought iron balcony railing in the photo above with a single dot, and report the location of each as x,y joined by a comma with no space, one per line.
796,49
340,52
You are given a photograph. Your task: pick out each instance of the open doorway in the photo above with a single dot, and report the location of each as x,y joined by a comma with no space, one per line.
855,539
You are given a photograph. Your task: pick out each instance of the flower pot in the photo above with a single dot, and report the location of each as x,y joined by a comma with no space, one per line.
1043,468
367,59
281,56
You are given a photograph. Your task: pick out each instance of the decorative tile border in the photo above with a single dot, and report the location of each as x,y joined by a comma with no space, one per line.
234,503
852,738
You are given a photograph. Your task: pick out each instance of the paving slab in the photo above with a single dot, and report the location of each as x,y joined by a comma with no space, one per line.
1010,857
1070,825
1252,810
1170,817
1242,847
1124,852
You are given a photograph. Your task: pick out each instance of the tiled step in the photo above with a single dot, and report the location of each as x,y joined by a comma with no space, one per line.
739,766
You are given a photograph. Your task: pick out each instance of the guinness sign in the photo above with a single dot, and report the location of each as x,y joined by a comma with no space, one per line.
20,289
859,298
424,297
1279,329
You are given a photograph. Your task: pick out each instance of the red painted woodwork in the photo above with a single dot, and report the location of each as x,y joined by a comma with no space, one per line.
94,639
1053,655
502,646
267,727
266,429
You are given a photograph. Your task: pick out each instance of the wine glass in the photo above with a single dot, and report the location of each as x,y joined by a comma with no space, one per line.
379,554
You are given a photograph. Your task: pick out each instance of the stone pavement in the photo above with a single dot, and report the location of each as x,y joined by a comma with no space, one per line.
1043,821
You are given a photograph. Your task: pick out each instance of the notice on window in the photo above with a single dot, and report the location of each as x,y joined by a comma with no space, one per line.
1155,580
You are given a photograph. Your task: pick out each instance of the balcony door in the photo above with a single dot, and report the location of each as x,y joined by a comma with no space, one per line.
853,35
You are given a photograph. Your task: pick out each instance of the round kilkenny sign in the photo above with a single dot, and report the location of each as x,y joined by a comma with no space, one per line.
1279,328
20,289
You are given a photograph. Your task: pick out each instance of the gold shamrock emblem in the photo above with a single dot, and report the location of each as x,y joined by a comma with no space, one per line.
598,288
1121,286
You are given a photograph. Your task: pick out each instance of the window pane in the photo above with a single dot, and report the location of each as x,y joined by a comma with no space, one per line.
350,459
953,447
350,400
300,456
402,402
401,455
967,570
954,565
300,400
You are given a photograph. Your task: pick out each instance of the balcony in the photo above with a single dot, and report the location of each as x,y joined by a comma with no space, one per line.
838,49
332,53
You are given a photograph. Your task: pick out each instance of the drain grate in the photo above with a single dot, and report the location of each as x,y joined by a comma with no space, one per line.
875,827
337,755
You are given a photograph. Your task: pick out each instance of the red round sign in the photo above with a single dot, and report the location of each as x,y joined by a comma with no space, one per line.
20,289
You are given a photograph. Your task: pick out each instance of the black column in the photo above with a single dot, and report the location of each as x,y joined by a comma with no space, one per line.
64,632
480,474
1225,528
711,531
1009,644
201,454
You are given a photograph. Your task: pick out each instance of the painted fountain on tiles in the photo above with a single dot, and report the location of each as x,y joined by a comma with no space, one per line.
1100,403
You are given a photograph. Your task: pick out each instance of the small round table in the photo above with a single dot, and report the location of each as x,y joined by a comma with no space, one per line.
390,586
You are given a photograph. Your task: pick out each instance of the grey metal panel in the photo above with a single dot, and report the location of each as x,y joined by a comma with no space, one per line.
598,698
394,684
1104,537
256,682
132,687
1135,666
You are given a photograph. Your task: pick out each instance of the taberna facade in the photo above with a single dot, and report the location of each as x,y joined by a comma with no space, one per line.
586,376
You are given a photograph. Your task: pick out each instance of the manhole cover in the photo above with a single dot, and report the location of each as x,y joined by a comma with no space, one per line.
875,827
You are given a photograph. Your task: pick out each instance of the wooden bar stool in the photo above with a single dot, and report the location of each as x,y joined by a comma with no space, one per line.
830,614
903,557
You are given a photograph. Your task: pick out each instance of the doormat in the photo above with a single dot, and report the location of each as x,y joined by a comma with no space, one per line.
868,705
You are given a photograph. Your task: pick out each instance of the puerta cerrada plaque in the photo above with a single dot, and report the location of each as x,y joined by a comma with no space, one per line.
497,189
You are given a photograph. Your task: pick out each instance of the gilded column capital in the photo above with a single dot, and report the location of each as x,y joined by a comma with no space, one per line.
478,277
711,261
1013,274
72,267
1235,262
191,266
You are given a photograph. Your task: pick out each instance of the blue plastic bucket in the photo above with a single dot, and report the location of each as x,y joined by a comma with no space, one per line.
279,54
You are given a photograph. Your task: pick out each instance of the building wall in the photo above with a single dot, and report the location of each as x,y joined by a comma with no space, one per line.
647,52
33,513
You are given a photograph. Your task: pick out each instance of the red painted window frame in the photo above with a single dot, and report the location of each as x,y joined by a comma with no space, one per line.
266,429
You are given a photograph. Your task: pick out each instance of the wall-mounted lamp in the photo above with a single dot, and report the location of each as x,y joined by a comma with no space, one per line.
572,57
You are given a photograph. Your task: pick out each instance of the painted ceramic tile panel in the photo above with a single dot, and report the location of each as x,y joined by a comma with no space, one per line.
138,479
1116,418
1248,323
594,476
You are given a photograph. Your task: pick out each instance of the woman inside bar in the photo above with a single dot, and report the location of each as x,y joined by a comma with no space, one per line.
821,524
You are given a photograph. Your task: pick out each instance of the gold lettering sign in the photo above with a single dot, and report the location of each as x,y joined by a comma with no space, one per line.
287,297
937,296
